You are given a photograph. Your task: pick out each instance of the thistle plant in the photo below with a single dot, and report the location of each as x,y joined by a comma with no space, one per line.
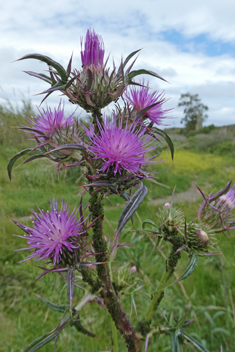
112,152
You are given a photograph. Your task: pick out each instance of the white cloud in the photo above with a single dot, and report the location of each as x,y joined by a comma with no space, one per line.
55,30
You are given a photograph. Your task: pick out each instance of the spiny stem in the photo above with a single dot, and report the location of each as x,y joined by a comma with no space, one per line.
108,293
144,325
159,294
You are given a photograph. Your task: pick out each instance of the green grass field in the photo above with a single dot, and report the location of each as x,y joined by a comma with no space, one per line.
208,294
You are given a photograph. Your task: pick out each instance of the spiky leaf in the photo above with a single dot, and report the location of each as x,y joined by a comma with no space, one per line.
175,345
70,285
34,157
164,135
149,222
61,71
44,339
190,268
194,342
23,128
56,307
131,207
130,56
68,146
15,158
135,73
40,76
143,111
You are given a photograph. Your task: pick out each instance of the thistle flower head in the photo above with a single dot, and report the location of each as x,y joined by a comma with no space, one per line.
216,209
49,121
94,85
200,239
93,54
52,130
120,148
140,98
227,200
53,234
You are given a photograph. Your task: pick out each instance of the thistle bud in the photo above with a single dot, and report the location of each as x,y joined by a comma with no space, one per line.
167,205
216,210
133,269
94,86
200,240
203,236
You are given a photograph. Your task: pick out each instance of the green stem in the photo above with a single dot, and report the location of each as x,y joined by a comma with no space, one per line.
110,297
144,324
159,294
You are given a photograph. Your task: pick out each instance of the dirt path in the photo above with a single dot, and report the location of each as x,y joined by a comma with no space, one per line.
191,195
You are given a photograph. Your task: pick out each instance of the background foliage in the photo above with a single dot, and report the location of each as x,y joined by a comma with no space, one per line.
208,295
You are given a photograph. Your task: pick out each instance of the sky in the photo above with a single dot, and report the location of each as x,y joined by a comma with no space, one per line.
189,43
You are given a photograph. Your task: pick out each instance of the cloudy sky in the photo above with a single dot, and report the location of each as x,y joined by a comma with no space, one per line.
190,43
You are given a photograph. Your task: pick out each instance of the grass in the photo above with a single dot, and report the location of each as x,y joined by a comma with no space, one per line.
208,294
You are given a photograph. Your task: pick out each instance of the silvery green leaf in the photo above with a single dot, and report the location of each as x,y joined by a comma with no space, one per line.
194,342
15,158
189,269
44,339
56,307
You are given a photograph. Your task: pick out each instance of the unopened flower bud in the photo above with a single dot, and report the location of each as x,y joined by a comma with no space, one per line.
133,269
167,205
203,236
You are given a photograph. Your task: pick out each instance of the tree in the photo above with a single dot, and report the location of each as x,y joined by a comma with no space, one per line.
194,111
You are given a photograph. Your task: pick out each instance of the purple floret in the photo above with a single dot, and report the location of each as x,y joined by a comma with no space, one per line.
120,148
93,53
140,98
228,199
49,121
52,232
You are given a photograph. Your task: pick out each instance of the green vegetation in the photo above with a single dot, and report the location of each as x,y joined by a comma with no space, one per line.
208,294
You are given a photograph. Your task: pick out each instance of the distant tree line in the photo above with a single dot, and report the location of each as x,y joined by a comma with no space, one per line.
194,111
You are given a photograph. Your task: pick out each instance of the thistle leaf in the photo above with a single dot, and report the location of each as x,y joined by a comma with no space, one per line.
165,136
56,307
44,339
33,130
61,71
143,111
70,286
40,76
174,341
77,324
194,342
58,86
181,321
34,157
135,73
68,71
150,222
189,269
130,56
131,207
68,146
15,158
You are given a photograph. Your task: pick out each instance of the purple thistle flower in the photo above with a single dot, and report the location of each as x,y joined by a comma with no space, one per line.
52,234
120,148
140,98
49,121
93,54
228,200
216,209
